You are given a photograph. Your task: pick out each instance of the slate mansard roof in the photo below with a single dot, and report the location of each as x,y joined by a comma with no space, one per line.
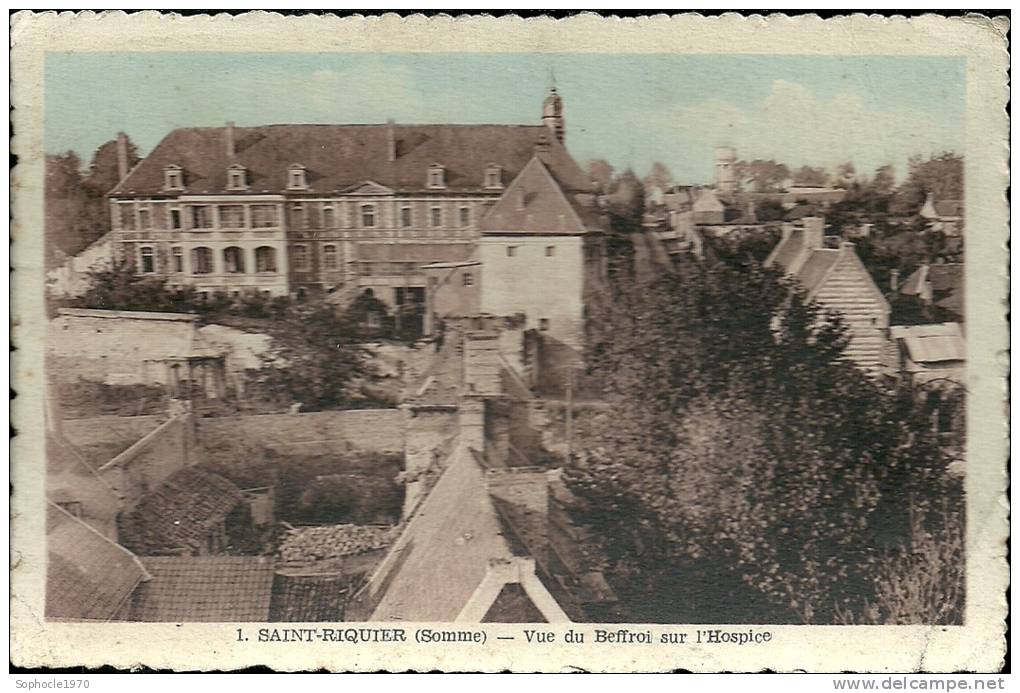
337,158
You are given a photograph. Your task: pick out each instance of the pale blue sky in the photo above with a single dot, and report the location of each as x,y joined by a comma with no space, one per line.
628,109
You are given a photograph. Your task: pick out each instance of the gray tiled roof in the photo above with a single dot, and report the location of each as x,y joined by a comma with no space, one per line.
337,157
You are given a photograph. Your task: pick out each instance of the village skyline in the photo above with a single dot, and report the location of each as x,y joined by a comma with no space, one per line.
869,111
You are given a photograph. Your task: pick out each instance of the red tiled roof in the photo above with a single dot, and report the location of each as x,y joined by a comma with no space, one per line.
88,577
337,157
180,513
208,589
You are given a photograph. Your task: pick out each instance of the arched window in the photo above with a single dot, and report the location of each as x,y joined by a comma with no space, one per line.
233,260
265,259
201,260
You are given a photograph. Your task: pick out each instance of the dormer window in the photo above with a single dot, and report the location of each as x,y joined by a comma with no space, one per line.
296,177
437,176
493,176
173,177
237,178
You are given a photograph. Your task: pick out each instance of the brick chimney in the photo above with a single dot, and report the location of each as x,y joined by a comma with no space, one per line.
122,156
228,135
814,232
894,280
391,140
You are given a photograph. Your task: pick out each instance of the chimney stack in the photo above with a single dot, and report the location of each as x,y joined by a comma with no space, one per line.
229,136
814,232
894,280
391,140
122,156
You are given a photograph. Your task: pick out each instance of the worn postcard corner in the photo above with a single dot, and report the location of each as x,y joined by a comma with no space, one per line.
368,343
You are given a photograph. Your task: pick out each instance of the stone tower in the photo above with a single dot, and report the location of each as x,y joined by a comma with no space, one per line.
552,114
725,169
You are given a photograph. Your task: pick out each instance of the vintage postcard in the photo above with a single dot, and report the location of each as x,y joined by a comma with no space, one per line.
479,343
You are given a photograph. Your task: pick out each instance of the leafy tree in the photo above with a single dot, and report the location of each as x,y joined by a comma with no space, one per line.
626,202
769,210
884,180
659,176
317,358
600,171
810,177
941,176
762,176
845,174
76,209
121,289
758,453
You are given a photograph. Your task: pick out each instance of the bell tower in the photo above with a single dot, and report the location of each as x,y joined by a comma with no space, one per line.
552,114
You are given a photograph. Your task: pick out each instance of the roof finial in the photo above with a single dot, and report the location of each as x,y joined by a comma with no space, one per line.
552,78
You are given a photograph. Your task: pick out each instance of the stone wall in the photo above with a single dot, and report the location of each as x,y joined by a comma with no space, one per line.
375,430
147,463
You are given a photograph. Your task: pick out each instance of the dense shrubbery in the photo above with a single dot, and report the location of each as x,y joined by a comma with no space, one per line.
741,448
319,488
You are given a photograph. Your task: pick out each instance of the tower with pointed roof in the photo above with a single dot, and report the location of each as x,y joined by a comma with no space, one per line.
552,114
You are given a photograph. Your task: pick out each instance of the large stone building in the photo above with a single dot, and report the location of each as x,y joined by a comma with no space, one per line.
340,209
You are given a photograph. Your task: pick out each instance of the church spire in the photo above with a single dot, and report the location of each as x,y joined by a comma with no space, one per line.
552,112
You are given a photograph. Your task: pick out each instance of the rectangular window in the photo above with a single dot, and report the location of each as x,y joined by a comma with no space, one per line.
158,215
175,218
298,219
178,259
368,216
328,220
201,261
144,219
436,216
231,216
465,216
301,257
329,257
405,217
550,250
148,260
511,251
469,279
127,216
264,217
201,217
